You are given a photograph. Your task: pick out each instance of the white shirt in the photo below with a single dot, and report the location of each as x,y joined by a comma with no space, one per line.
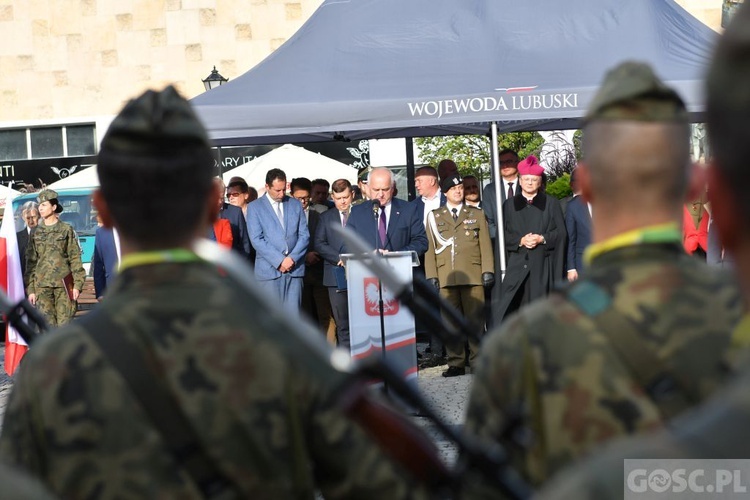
507,183
116,237
430,204
274,203
457,207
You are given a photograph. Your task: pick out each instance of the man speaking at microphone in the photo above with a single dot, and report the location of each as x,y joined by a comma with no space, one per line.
388,224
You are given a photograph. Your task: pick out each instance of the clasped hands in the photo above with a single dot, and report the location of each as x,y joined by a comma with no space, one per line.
531,240
286,265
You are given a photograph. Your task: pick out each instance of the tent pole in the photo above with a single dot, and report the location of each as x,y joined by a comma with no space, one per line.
497,179
410,168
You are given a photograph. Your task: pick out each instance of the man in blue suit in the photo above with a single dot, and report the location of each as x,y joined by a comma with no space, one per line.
279,234
106,258
330,246
578,225
387,223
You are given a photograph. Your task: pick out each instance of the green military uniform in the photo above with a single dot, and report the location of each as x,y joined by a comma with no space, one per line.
458,253
52,254
72,420
363,174
18,485
570,371
718,430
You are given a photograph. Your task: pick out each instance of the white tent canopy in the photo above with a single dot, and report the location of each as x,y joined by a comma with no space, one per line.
295,162
87,178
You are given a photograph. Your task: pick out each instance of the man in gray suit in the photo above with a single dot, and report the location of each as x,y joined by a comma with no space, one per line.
279,234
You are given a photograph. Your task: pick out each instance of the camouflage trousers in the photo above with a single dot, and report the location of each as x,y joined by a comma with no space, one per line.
55,305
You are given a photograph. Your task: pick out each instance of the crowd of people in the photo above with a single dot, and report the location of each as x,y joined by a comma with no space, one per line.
178,384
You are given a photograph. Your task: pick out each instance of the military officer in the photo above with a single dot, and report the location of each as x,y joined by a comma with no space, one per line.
720,429
645,333
244,419
52,255
459,263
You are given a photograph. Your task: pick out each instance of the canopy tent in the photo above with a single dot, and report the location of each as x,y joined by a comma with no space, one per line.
295,162
389,68
86,178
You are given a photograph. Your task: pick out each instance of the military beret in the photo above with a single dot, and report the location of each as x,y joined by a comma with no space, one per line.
449,182
50,196
631,91
363,174
530,166
153,122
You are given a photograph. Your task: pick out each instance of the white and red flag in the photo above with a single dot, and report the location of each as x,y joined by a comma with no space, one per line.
11,281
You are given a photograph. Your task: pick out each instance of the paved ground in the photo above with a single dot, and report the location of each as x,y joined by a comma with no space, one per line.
447,397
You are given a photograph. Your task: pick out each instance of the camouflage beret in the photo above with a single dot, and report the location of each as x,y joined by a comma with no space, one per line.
155,121
449,182
631,91
729,71
50,196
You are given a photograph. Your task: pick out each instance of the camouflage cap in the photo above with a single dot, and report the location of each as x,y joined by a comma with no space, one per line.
152,123
631,91
50,196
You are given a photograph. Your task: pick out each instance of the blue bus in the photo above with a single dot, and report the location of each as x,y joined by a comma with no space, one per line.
78,211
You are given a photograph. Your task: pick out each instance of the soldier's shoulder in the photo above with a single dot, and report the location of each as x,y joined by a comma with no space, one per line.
18,485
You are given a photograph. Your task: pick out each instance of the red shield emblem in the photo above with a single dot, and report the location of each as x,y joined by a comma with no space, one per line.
372,298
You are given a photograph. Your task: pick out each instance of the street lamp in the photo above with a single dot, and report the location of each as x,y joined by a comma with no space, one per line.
214,80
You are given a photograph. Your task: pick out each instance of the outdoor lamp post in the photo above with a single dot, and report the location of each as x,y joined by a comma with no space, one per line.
214,80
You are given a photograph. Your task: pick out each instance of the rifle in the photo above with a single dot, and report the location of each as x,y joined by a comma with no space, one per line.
14,314
347,379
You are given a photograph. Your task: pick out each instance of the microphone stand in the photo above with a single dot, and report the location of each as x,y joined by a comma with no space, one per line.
376,207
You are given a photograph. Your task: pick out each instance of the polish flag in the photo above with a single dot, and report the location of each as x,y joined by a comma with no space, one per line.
11,280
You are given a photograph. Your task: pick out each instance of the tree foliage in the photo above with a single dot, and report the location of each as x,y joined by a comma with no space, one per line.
560,187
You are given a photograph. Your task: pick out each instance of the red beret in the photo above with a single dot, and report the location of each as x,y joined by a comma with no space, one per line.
530,166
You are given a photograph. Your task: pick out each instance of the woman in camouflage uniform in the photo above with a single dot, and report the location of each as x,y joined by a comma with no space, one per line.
52,254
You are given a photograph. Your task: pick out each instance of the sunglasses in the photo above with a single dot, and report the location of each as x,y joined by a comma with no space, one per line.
233,195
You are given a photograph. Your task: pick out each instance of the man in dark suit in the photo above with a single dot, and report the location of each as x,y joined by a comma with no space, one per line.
30,215
106,258
330,246
387,223
240,237
279,234
315,300
578,226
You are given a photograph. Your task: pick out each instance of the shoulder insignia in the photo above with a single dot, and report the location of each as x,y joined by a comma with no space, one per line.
590,298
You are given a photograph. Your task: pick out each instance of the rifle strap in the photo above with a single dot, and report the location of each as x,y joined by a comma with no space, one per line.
160,404
650,372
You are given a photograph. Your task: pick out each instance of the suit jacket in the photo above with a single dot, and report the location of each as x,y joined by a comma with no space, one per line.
240,238
105,259
405,230
329,244
314,273
578,225
420,203
23,241
472,254
272,242
490,206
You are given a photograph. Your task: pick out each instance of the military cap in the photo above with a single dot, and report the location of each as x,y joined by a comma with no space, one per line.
363,174
631,91
450,181
152,123
50,196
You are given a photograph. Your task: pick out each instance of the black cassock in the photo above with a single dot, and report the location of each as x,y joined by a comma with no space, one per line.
531,273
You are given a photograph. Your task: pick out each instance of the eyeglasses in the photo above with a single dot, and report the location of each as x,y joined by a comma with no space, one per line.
508,162
233,195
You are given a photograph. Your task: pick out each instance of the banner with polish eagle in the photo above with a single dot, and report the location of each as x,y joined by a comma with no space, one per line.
11,281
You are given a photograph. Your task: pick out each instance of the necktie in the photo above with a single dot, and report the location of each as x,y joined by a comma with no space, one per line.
344,218
510,190
455,214
279,214
381,228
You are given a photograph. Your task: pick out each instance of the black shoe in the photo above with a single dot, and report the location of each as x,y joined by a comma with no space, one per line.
454,371
430,361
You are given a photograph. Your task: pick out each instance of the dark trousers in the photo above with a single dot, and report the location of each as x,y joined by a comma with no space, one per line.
340,309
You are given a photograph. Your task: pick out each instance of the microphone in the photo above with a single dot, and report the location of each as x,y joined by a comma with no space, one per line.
375,208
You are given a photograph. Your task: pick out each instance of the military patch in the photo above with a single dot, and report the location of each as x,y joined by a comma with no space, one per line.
470,221
590,298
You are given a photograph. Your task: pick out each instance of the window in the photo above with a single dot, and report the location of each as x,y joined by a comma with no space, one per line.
46,142
81,141
13,144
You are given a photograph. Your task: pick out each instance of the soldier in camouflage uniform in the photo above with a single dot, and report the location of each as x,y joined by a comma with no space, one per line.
52,254
721,428
645,332
272,431
459,262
